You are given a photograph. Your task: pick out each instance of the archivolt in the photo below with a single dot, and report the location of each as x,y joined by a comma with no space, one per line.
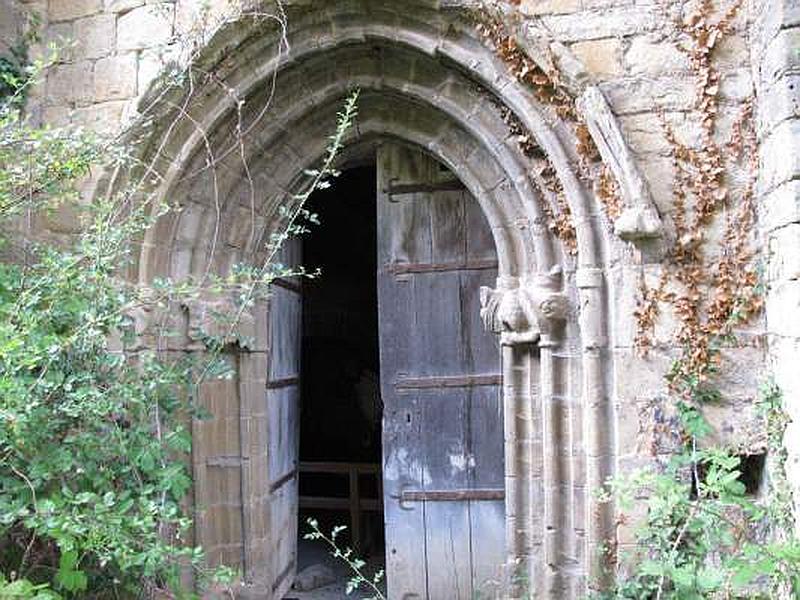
426,80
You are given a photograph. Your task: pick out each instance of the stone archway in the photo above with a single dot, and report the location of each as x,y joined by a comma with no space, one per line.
426,80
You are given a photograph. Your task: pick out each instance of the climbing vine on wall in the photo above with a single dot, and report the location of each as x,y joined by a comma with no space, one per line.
701,535
711,285
549,89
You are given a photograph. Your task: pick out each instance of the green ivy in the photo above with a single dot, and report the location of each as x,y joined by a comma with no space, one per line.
702,536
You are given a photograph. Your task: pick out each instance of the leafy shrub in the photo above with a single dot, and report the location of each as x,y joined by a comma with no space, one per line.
94,439
702,536
90,439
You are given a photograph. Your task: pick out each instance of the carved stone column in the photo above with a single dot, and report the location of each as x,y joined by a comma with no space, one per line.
526,313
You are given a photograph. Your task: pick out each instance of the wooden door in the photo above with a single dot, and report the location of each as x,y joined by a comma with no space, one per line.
283,423
440,381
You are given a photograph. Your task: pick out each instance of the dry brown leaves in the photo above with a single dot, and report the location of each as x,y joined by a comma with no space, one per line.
716,293
549,90
607,190
545,86
559,217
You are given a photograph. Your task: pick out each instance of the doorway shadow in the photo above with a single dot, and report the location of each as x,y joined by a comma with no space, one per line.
340,482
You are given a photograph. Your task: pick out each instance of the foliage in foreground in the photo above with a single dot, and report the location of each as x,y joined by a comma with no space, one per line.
90,487
93,440
358,579
702,536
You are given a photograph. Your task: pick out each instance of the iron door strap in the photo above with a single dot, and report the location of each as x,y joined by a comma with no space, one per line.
406,384
458,495
395,189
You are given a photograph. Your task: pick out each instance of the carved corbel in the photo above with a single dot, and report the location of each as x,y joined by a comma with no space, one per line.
524,312
507,312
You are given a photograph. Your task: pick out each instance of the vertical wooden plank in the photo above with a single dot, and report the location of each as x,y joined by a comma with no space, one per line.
481,347
282,398
437,343
447,523
479,241
448,227
284,349
487,519
404,222
402,462
403,468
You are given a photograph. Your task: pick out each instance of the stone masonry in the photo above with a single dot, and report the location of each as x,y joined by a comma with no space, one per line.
627,55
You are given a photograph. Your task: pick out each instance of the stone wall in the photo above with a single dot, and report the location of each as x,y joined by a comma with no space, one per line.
776,64
12,25
630,50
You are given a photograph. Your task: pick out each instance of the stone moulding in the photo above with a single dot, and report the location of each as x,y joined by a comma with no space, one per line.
443,116
640,219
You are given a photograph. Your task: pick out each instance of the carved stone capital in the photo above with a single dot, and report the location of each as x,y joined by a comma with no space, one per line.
521,311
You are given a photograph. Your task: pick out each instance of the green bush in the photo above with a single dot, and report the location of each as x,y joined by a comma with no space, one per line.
90,439
93,439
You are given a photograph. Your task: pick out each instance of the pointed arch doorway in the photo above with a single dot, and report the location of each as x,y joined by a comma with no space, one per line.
429,80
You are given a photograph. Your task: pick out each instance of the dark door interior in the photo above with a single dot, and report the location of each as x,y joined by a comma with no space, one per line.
340,420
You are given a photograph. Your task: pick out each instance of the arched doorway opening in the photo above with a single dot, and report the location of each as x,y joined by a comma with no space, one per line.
429,81
392,328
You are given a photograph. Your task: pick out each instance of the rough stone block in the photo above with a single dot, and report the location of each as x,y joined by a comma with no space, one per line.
143,27
731,52
118,6
741,370
785,356
645,134
106,117
602,58
153,63
775,15
735,423
612,22
647,371
781,56
623,285
784,253
115,78
779,156
550,7
660,175
778,102
94,36
736,85
64,10
56,116
782,307
781,206
12,21
644,94
69,83
653,56
62,36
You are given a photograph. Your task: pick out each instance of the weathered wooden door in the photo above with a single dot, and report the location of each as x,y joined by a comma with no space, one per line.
283,423
440,381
